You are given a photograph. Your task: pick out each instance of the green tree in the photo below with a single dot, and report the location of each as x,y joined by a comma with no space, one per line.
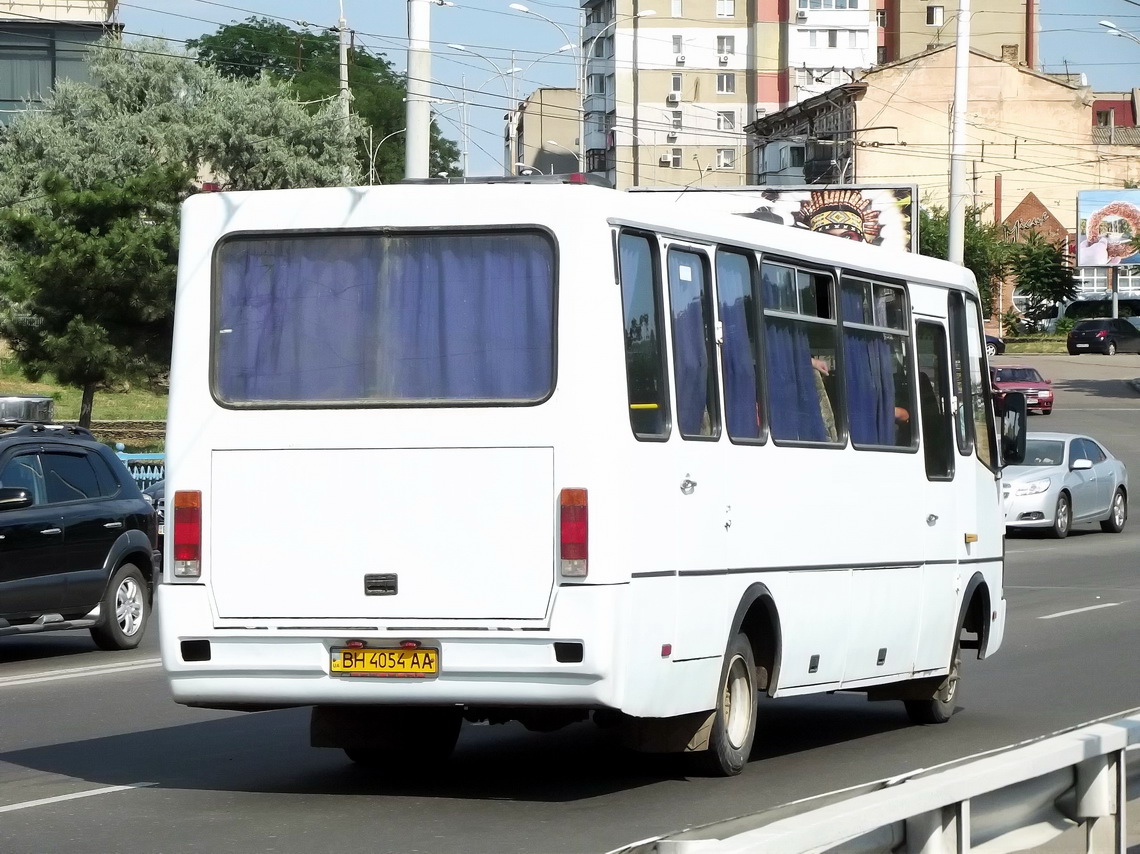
91,280
1043,276
309,63
985,251
144,108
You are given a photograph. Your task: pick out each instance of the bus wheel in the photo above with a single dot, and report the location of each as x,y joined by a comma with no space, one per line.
734,724
417,739
940,706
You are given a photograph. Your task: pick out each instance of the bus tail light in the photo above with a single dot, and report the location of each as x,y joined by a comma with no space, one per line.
187,534
574,533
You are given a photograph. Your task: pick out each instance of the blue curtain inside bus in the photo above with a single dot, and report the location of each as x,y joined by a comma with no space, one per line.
741,402
690,344
796,412
869,376
364,318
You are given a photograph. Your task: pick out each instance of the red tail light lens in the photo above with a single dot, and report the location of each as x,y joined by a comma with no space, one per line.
187,534
1101,334
574,533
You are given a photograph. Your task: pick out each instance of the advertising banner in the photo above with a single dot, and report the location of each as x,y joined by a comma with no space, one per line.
1108,228
881,215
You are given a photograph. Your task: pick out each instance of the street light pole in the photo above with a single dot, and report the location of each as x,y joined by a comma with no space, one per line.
1116,31
345,95
508,89
956,238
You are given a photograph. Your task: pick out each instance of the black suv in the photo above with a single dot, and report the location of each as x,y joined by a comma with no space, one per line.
77,538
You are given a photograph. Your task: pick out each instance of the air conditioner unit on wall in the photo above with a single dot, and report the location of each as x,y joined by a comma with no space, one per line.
680,59
673,98
724,59
665,160
801,16
670,137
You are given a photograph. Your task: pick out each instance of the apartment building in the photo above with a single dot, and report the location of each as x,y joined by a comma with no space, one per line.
545,133
668,91
42,41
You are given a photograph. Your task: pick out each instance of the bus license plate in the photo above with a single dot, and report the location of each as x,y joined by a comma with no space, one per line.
413,663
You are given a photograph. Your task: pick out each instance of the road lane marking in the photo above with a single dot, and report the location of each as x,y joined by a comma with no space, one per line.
77,672
1080,610
59,798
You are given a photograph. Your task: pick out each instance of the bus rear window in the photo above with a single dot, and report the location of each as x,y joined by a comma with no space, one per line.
392,319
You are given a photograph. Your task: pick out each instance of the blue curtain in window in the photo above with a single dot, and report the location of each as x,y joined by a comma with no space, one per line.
869,371
295,319
690,350
466,318
406,319
740,399
795,404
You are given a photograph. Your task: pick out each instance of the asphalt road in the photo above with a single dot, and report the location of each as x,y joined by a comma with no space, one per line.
152,776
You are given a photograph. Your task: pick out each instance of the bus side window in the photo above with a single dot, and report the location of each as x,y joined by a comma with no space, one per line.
877,364
644,355
800,344
960,374
694,349
934,401
740,353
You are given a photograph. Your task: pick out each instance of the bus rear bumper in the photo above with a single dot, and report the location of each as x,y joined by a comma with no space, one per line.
275,667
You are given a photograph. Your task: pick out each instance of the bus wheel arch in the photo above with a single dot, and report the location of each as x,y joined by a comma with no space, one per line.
974,615
759,620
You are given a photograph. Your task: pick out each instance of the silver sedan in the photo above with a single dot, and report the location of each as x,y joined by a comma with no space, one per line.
1066,479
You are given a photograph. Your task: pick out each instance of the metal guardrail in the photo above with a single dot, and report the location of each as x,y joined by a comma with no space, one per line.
146,469
1013,800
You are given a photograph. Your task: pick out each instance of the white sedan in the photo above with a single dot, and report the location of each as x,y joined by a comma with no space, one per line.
1066,479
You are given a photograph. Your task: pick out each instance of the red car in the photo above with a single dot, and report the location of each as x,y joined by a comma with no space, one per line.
1038,391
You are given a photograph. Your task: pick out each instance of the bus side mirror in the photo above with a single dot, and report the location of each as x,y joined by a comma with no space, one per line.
1013,421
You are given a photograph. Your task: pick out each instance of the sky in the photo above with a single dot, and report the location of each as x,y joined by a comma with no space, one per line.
498,38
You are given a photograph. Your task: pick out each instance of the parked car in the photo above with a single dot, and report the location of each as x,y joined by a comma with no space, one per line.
78,542
994,346
1038,391
1066,479
155,494
1103,335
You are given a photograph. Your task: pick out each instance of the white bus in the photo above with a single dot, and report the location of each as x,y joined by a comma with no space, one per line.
546,451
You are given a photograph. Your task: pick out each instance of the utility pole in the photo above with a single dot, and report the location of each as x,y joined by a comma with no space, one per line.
345,95
418,106
956,250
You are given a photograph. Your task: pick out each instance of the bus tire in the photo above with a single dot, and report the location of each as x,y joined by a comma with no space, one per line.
940,706
124,611
734,722
420,739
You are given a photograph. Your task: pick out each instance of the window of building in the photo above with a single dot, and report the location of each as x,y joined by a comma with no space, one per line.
676,120
726,158
880,18
827,4
611,84
677,44
675,158
726,84
694,345
600,48
725,120
795,156
644,337
726,8
596,84
677,80
1104,118
676,11
934,15
726,44
833,38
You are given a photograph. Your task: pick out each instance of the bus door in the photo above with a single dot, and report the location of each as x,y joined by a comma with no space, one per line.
942,496
696,459
979,503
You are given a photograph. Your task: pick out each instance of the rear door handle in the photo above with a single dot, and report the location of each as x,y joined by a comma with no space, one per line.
52,531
